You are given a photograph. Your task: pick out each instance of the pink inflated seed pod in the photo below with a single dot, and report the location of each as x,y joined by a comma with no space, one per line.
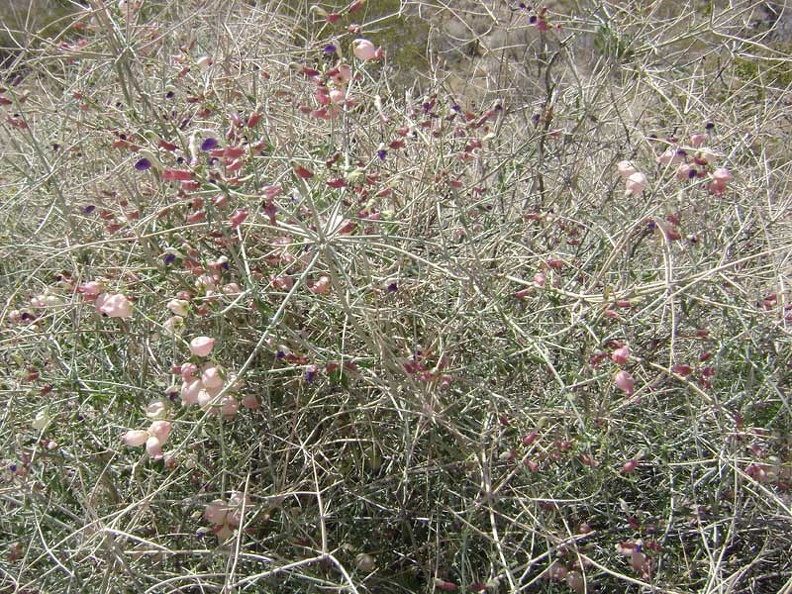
624,381
635,184
364,50
201,346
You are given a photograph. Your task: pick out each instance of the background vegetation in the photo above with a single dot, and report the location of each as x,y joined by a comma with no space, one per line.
455,348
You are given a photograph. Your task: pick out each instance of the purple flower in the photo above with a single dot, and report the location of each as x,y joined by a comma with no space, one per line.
169,258
392,288
330,49
88,209
143,164
709,126
381,153
209,144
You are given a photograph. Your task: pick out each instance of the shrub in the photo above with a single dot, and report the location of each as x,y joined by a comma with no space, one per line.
275,321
